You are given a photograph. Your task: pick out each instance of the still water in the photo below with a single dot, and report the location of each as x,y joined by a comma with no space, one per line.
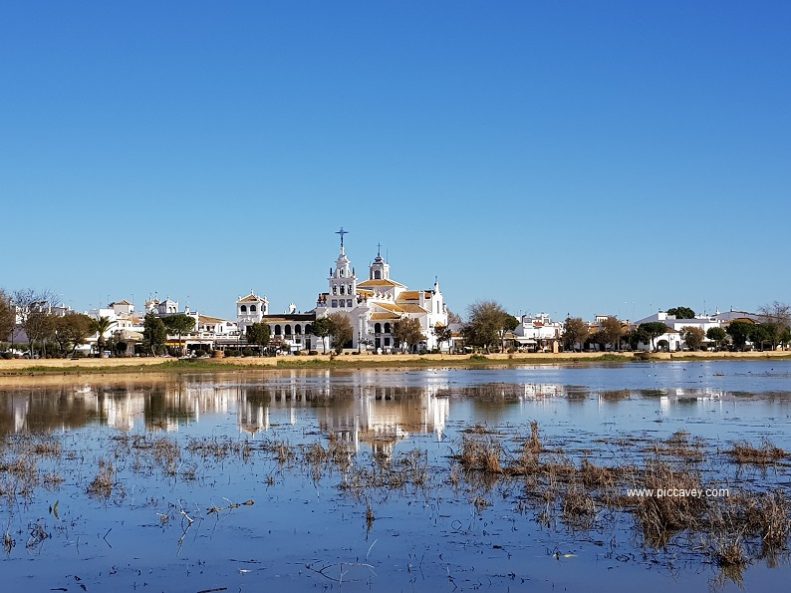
231,504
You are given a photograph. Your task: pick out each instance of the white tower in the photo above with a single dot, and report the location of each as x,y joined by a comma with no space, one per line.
379,269
343,280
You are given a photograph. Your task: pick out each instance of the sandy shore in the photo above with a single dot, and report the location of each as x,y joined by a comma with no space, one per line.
149,365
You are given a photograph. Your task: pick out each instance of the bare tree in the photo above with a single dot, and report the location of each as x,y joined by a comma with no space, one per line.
575,331
33,311
7,316
611,332
777,320
408,331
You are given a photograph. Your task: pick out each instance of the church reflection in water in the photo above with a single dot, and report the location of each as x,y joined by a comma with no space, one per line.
358,408
359,412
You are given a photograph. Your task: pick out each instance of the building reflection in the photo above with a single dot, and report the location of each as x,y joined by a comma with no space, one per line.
360,412
359,408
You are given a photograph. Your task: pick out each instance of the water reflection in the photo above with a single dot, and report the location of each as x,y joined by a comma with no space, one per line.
357,408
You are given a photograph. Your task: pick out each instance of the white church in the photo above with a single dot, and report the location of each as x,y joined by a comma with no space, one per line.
374,305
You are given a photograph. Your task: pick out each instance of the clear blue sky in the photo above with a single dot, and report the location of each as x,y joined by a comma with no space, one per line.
582,157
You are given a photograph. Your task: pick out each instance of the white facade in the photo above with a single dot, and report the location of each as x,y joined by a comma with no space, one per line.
538,331
375,305
674,337
250,309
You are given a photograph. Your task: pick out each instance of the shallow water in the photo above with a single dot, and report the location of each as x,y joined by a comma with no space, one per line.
181,526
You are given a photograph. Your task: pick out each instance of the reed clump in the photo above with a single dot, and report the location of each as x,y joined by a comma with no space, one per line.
104,482
764,454
661,516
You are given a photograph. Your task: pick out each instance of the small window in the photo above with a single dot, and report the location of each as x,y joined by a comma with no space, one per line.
378,328
387,328
341,272
298,329
308,328
277,330
342,303
334,289
387,341
334,303
343,290
348,302
252,308
243,308
288,330
377,275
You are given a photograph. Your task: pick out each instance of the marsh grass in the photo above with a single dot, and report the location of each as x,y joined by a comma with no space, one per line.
738,528
765,454
103,484
408,469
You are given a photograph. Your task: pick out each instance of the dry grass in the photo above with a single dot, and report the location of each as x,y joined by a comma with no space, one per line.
744,453
660,517
104,482
408,469
679,445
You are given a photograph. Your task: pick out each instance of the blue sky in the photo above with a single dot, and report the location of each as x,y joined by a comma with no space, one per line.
584,157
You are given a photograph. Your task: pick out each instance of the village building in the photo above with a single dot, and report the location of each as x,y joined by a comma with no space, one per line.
376,304
538,333
250,309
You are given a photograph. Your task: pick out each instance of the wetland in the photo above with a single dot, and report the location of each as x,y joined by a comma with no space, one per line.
593,477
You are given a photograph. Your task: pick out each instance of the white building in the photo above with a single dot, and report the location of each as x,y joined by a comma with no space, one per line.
674,337
375,305
538,333
250,309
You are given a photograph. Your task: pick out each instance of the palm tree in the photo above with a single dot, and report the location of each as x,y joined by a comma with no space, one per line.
101,326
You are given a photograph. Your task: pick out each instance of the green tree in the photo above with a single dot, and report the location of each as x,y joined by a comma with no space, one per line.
717,335
652,330
7,316
785,338
762,334
340,331
258,334
693,336
408,331
321,329
682,312
740,332
443,334
100,327
636,337
71,331
611,332
487,325
575,331
179,324
154,334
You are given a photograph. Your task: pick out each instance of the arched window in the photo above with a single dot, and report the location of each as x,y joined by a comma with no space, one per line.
387,328
343,289
378,328
308,329
243,308
298,329
252,308
377,275
277,330
288,330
